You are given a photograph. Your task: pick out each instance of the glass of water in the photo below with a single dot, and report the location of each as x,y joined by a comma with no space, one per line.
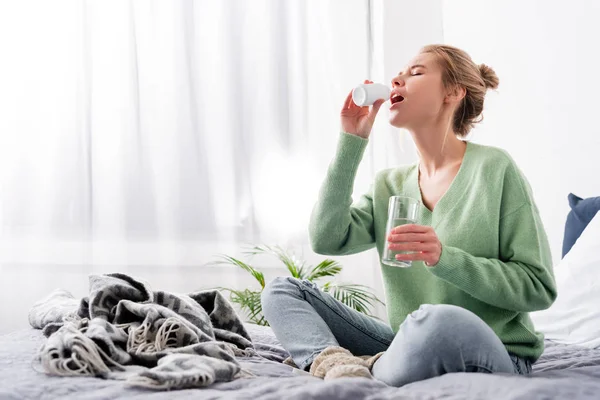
401,211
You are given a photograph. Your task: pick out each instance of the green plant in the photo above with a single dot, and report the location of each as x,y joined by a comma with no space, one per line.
357,297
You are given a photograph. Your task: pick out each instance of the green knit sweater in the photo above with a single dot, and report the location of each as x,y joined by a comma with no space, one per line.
495,257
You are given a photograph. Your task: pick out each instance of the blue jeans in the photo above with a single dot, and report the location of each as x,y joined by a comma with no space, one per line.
433,340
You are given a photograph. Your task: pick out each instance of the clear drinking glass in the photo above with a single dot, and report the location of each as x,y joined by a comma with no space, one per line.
401,211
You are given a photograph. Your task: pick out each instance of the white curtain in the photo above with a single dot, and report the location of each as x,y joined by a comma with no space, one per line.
149,131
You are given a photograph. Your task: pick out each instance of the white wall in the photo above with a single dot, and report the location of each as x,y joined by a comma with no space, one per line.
544,113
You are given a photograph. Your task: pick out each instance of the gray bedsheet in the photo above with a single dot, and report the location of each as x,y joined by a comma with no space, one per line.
563,372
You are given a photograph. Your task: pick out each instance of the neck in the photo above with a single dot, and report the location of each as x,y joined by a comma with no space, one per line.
438,147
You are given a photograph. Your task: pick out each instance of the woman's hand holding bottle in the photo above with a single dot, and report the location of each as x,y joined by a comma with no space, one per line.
359,120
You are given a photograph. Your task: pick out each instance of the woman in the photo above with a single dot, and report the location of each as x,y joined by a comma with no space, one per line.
480,256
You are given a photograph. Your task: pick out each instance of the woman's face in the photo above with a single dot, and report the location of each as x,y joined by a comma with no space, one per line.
421,93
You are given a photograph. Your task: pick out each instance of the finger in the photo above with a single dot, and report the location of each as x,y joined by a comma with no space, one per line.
377,105
408,237
420,247
412,257
375,109
410,228
348,101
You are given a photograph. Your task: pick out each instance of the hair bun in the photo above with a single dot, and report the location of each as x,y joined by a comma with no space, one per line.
489,76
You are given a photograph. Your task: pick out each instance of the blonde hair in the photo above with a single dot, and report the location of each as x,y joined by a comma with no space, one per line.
459,70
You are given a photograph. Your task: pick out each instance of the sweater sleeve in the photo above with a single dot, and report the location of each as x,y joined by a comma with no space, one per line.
337,225
522,280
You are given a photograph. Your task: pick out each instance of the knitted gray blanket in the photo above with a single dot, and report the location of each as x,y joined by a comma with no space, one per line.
125,331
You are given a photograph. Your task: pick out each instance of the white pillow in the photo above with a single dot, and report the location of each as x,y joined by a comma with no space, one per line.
574,318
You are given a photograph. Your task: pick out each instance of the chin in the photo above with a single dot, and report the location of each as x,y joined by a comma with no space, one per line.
398,122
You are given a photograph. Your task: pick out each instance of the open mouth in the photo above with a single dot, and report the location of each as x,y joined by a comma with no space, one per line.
396,98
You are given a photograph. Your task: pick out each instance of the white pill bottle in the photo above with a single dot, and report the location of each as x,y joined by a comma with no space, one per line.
368,93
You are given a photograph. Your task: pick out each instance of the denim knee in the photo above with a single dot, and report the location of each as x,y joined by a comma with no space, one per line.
437,339
435,316
282,286
441,323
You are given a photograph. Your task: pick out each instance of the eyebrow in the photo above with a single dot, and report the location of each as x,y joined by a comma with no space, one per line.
413,67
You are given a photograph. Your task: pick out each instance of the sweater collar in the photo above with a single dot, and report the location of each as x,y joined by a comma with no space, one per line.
455,191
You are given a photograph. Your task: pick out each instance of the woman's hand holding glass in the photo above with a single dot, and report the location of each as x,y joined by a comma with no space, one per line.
420,241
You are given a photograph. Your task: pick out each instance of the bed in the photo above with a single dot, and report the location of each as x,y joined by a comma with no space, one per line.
564,371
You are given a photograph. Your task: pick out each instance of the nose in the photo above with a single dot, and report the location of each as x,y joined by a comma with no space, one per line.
397,82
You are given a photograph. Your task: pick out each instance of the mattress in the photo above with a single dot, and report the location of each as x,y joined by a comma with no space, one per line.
562,372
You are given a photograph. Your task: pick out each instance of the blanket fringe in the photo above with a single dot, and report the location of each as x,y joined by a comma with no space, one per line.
167,334
140,342
137,339
84,358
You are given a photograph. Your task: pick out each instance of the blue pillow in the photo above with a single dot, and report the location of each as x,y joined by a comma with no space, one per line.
582,212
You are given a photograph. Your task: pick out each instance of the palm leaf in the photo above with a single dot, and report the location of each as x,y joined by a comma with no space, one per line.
357,297
254,307
296,268
228,260
325,268
249,302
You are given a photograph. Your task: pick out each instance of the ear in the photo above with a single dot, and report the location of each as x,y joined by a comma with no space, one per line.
455,95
